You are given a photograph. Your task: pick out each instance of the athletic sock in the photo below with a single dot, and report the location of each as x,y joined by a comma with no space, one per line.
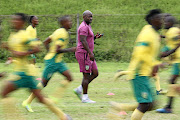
172,90
59,91
32,96
157,81
10,110
126,106
137,115
60,114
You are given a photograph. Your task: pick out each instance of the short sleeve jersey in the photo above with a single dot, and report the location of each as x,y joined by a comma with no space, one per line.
171,42
59,37
145,52
31,31
86,30
20,41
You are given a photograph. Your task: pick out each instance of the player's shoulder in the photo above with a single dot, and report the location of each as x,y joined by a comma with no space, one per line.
174,29
29,27
61,31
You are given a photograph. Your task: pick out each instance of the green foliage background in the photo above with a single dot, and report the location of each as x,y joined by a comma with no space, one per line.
119,20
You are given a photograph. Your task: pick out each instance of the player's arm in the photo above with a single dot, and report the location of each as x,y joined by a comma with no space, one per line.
59,50
34,50
46,43
86,47
169,52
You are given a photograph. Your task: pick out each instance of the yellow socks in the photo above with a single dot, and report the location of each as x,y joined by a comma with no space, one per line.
10,111
172,90
60,114
157,81
137,115
59,91
32,96
124,106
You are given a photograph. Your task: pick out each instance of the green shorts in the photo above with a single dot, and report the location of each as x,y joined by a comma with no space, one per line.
176,68
51,67
24,81
143,90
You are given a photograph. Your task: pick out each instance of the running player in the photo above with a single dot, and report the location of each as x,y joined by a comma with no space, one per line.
143,62
172,39
85,56
31,30
56,46
19,44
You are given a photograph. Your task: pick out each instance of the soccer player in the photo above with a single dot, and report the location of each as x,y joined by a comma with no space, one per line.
31,30
85,56
56,46
172,39
19,44
143,62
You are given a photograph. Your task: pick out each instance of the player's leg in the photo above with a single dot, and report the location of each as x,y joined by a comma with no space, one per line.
168,107
175,75
94,72
144,95
140,110
47,74
62,68
59,113
8,103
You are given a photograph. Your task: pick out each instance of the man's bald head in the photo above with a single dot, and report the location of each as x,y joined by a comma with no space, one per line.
86,13
87,16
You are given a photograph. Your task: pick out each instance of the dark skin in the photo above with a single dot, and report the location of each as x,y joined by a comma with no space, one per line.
18,24
34,21
87,77
67,24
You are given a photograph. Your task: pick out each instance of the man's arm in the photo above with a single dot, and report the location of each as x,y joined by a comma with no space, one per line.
59,50
35,49
86,47
46,43
167,53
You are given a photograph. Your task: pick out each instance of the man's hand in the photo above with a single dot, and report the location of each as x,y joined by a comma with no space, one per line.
91,55
98,35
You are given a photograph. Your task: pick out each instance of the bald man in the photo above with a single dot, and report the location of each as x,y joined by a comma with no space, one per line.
172,47
85,57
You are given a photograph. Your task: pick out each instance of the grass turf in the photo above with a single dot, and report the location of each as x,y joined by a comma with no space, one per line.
98,90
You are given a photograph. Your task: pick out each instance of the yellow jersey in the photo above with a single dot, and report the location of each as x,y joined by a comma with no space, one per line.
20,41
31,31
145,53
171,42
59,37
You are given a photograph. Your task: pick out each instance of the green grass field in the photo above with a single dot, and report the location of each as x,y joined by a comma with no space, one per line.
97,91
